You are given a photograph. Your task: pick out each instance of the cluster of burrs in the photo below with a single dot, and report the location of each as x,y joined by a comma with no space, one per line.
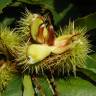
35,45
44,48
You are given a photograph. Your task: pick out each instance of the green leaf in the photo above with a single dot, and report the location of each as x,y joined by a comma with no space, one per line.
75,87
4,3
90,67
46,86
28,88
16,4
7,21
91,75
88,21
57,16
91,63
0,94
14,87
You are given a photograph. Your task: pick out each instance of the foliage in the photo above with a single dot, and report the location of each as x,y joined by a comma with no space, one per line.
14,87
4,3
45,83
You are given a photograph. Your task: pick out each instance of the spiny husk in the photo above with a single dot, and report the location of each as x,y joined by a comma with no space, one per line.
30,54
25,24
9,40
74,56
34,28
21,57
5,76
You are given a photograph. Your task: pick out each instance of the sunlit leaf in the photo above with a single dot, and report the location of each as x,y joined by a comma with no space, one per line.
28,88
